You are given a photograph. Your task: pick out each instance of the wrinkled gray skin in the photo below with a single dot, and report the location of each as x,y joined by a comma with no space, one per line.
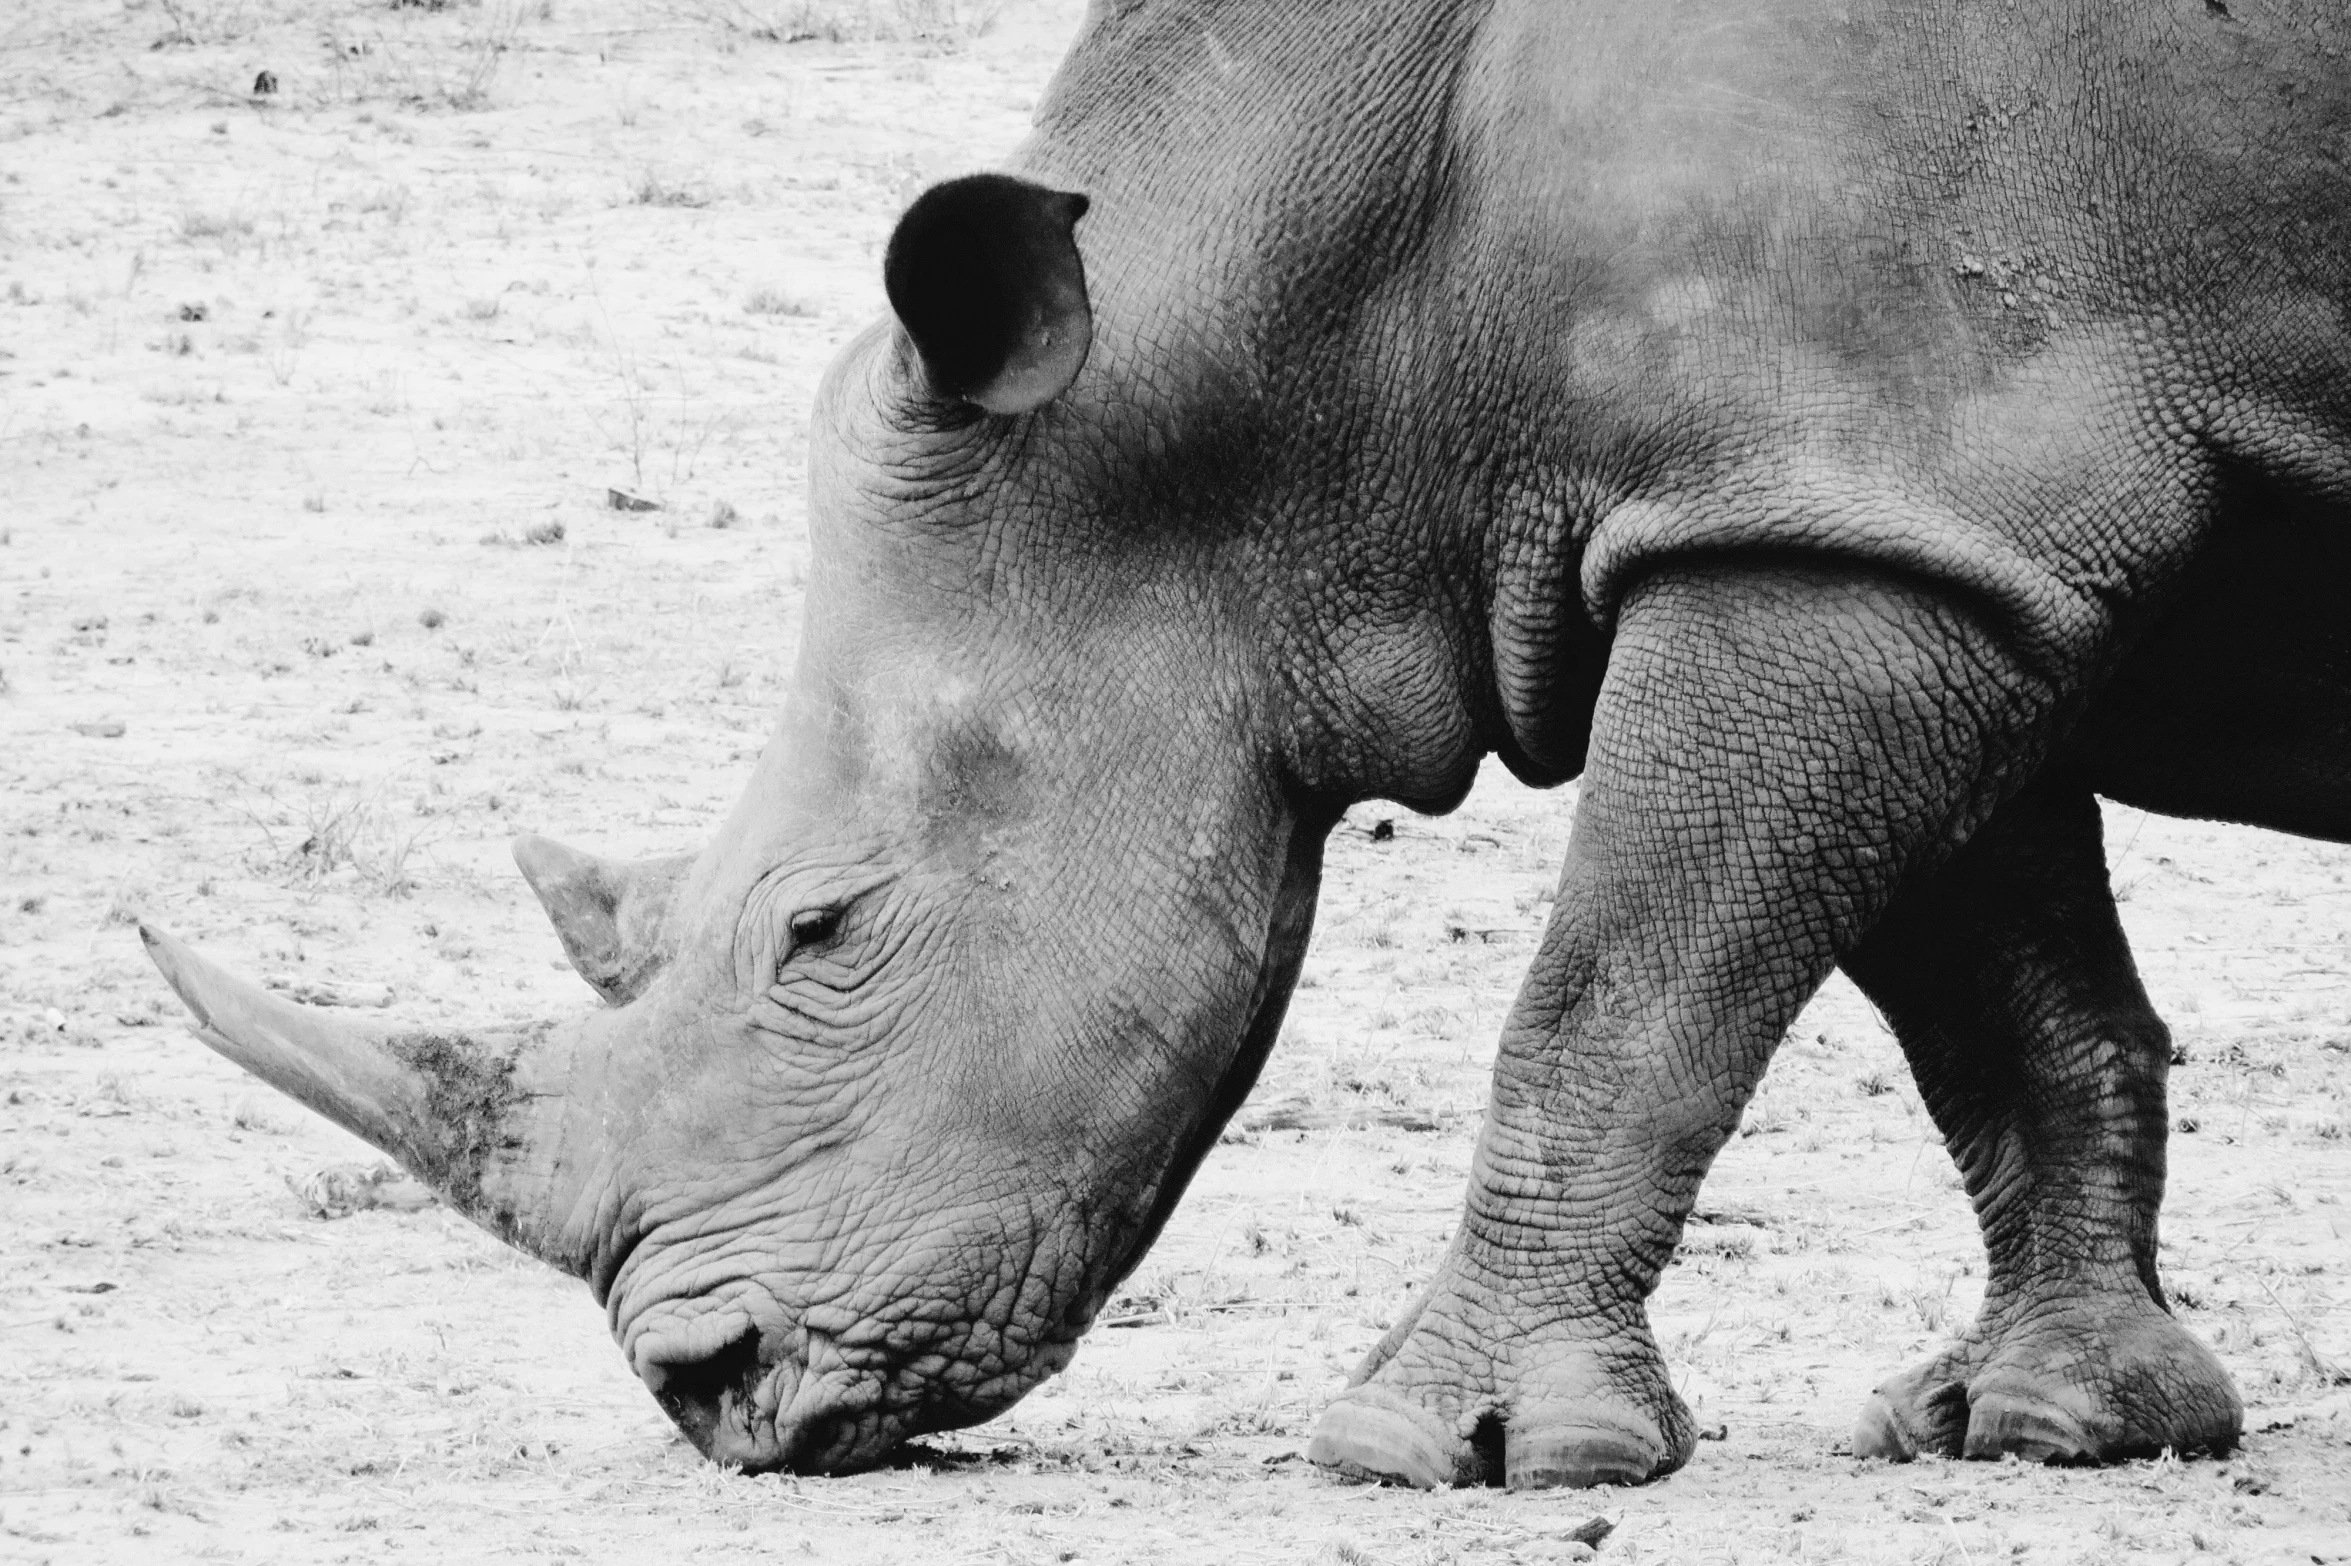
1848,435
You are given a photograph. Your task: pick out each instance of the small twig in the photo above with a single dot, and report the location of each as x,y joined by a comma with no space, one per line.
2328,1371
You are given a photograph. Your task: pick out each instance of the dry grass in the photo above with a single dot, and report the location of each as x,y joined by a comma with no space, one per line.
945,23
775,302
444,58
194,23
653,188
322,833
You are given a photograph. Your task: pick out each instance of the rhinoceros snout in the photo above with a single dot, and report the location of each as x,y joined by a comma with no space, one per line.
725,1403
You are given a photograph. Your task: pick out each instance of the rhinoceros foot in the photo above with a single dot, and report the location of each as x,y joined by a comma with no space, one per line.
1530,1409
2067,1388
2061,1393
1921,1411
1373,1434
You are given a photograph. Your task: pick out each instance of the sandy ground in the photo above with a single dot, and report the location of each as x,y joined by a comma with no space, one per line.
312,594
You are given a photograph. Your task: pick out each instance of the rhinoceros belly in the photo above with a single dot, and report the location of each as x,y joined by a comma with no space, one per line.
2237,704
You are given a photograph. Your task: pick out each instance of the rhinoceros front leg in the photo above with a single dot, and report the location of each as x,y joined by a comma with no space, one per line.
2009,982
1773,751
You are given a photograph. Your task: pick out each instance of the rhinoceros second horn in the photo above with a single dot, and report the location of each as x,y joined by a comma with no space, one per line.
612,917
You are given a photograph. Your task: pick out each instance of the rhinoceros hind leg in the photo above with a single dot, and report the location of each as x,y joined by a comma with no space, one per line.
2009,984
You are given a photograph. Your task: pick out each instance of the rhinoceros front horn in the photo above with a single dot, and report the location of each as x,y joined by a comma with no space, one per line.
476,1116
613,919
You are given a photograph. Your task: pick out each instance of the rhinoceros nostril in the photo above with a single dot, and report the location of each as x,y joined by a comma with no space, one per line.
710,1398
1487,1448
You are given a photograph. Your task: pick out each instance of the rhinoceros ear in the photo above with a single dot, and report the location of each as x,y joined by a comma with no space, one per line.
985,276
613,919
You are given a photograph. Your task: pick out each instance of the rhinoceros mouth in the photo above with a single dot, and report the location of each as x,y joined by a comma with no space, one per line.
799,1401
752,1400
715,1401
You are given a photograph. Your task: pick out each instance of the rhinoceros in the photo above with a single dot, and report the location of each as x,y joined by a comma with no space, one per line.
1852,435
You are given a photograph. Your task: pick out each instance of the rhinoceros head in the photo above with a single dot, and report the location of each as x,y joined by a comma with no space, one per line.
904,1071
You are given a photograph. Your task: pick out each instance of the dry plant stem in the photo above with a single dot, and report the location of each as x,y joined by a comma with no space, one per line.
329,830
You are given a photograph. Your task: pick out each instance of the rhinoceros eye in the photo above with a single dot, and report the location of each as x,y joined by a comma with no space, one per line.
815,927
